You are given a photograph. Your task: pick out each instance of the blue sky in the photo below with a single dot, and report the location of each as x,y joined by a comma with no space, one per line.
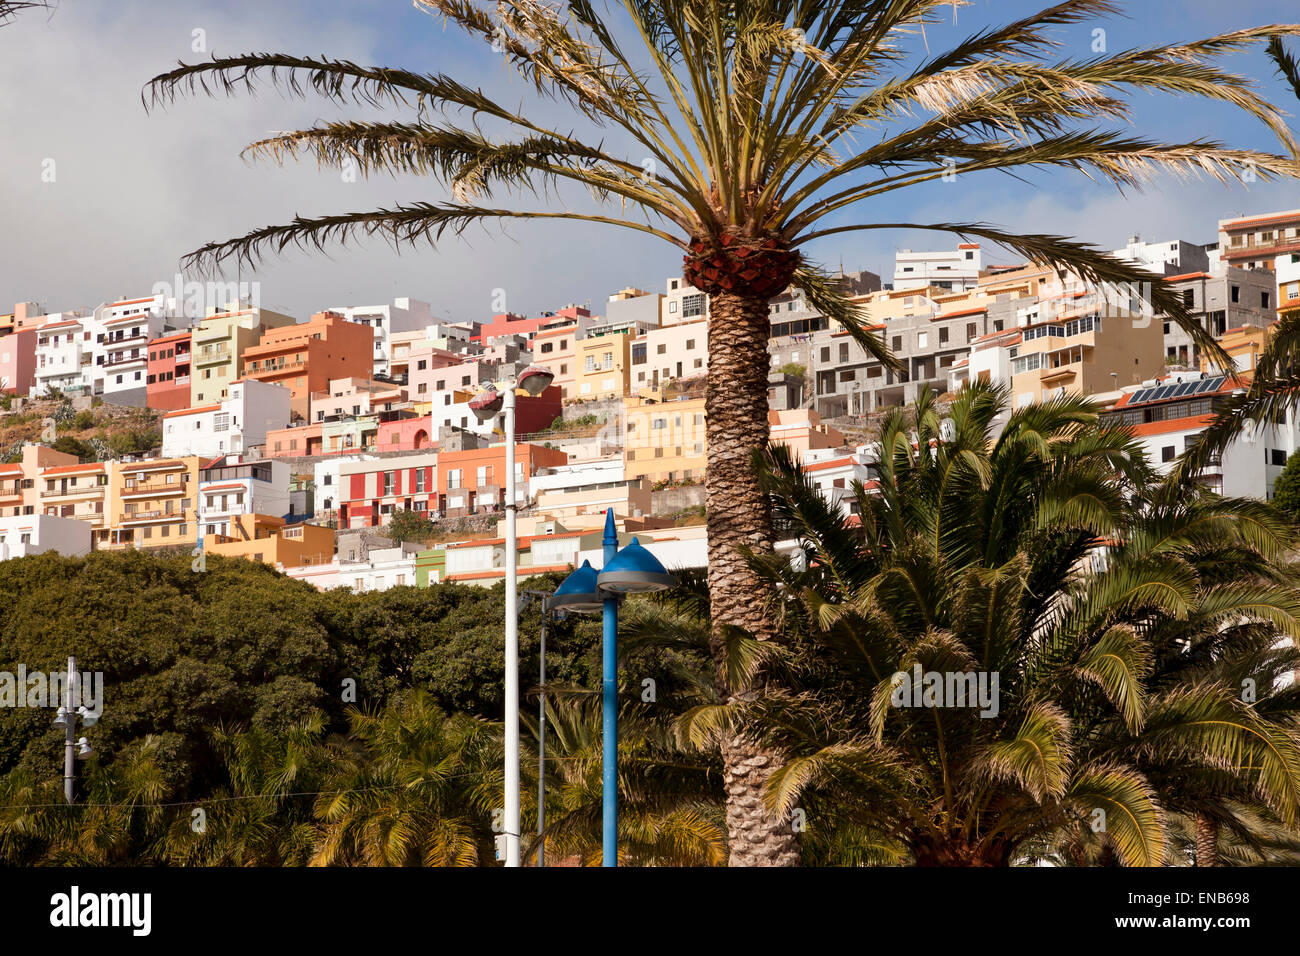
135,191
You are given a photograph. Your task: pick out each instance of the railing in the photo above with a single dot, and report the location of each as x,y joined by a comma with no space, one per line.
179,514
156,488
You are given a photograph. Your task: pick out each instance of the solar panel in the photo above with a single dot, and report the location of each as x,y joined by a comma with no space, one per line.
1140,396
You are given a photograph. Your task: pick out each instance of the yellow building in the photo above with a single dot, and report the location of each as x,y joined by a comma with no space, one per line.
218,346
604,366
265,538
1083,351
664,441
152,504
1243,345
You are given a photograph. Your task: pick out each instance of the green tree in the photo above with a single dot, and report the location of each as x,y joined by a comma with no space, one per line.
1286,490
745,132
407,525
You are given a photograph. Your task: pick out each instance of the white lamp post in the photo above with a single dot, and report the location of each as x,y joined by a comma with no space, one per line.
534,380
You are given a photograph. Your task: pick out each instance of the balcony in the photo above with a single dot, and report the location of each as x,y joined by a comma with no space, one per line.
144,517
155,489
211,355
126,360
80,491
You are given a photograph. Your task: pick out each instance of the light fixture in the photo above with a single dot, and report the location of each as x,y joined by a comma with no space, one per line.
579,593
84,750
487,404
634,570
536,379
61,719
88,717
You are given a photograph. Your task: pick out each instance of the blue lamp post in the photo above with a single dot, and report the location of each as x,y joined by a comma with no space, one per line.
634,570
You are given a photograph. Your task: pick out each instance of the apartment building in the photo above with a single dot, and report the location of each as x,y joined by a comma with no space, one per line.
26,315
1168,417
634,305
682,303
1168,257
218,343
663,441
356,396
670,353
801,430
512,323
22,535
121,346
65,354
1244,346
271,540
473,479
370,491
83,492
401,316
1233,298
1256,242
438,343
305,357
604,364
168,381
556,349
151,504
957,270
231,487
425,365
20,487
379,570
234,426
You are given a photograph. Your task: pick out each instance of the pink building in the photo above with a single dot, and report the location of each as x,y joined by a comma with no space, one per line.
18,362
406,434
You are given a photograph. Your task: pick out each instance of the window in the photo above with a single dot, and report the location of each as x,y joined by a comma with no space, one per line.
1278,456
690,345
1263,300
692,305
826,356
453,479
896,344
660,349
1189,298
419,481
922,340
943,335
388,483
1236,293
1167,453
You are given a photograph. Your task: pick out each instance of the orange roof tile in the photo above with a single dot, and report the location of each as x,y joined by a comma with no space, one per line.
196,410
1189,423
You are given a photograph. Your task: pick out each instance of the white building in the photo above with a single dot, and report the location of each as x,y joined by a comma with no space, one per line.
401,316
232,427
21,535
382,568
1287,267
121,345
1169,257
231,486
1168,416
64,353
954,271
328,483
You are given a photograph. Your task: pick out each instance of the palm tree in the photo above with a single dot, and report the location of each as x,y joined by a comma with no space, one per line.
741,132
416,788
1029,554
1286,63
670,811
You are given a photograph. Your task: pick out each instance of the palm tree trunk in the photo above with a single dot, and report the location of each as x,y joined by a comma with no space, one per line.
1207,841
740,516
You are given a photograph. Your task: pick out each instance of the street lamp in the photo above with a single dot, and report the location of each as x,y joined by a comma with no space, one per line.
634,570
534,380
65,719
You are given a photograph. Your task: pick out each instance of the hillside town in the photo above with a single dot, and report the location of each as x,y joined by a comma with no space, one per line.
298,442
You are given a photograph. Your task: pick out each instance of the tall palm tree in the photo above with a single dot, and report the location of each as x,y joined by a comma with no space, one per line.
1020,554
742,131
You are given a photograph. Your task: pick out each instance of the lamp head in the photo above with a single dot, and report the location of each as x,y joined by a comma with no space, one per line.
635,570
61,719
88,717
578,592
84,750
536,379
487,404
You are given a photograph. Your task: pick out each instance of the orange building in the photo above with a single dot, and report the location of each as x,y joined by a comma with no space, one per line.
475,479
305,357
265,538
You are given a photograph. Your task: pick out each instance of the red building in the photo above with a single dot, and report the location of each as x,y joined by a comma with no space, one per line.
511,323
168,382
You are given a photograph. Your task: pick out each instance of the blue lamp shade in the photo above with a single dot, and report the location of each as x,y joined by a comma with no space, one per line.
578,592
635,570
